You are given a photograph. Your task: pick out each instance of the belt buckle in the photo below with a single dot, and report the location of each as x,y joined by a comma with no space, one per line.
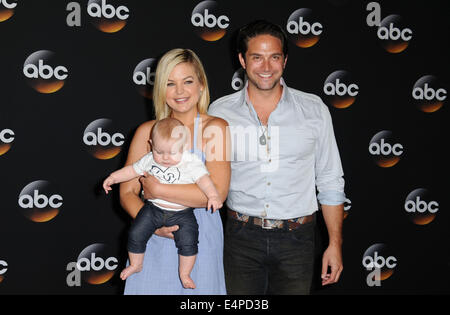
264,226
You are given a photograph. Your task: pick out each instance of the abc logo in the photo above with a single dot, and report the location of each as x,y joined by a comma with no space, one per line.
43,72
385,150
6,138
340,91
107,17
7,9
101,139
421,206
378,257
428,94
144,77
97,263
40,201
394,37
347,207
238,80
303,28
3,269
209,23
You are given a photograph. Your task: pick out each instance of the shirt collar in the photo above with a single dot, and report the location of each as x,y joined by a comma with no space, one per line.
245,101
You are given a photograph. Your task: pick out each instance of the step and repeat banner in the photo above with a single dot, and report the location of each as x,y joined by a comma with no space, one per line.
76,80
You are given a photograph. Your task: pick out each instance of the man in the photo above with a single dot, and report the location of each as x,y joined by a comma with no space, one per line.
269,237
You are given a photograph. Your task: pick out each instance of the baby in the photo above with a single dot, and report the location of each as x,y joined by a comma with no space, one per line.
170,164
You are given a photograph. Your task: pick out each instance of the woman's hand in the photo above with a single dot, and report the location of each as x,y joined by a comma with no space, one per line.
166,231
150,185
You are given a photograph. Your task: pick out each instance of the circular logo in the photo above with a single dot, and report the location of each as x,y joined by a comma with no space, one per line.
6,139
107,17
340,89
303,28
421,206
102,140
394,36
97,263
347,207
44,72
385,149
238,79
428,94
379,258
144,77
40,201
7,9
209,21
3,269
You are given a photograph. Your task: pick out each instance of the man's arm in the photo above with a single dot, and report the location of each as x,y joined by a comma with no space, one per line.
332,257
330,184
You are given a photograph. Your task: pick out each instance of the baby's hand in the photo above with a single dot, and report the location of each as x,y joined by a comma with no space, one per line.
214,203
107,184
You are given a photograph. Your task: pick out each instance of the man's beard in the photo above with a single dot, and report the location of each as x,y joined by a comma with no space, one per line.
259,87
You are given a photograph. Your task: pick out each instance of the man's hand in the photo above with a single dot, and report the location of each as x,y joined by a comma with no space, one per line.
332,258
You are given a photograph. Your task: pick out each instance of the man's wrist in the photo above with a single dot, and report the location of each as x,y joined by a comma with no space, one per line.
336,242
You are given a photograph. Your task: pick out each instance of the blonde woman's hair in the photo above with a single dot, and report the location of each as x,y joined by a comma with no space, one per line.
165,66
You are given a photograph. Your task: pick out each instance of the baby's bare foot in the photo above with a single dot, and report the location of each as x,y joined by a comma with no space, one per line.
187,282
128,271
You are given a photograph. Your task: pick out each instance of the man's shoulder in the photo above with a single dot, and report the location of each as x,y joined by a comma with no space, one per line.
225,102
305,98
311,104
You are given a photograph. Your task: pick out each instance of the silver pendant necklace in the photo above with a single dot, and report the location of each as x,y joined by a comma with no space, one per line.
262,138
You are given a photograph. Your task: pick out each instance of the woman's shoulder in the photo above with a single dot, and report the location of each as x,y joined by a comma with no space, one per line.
145,127
214,121
141,137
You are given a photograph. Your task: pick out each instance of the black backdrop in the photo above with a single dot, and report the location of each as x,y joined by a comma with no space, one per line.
53,212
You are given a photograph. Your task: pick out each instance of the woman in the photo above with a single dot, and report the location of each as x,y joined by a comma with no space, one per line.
181,91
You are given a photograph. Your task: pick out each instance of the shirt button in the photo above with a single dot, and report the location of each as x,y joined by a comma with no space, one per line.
267,205
268,184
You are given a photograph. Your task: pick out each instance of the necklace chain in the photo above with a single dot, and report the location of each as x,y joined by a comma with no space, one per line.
264,129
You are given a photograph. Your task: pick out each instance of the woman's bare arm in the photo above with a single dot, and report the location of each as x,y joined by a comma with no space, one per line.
130,191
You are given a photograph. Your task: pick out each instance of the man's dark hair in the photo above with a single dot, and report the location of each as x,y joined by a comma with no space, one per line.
260,27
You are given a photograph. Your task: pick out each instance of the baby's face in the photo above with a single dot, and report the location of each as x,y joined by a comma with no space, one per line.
167,152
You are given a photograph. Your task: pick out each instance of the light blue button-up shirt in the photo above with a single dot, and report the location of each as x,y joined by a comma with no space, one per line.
277,178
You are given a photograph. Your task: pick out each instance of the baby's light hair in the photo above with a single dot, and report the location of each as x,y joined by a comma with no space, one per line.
168,129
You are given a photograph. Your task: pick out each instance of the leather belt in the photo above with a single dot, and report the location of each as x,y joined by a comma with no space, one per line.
269,224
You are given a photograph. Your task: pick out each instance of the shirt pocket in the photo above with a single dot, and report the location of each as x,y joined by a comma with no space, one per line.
294,144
